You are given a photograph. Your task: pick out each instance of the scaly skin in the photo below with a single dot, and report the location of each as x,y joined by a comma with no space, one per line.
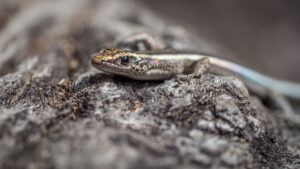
161,65
135,65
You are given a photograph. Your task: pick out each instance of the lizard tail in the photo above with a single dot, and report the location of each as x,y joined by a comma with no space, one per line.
256,82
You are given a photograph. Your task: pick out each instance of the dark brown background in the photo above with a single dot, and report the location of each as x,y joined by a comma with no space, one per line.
57,111
263,35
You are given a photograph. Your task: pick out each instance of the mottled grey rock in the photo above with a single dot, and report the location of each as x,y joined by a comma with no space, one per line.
56,111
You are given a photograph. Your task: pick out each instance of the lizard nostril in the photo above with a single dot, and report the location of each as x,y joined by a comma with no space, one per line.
95,60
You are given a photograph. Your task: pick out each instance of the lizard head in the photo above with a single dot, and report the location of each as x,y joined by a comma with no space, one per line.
121,62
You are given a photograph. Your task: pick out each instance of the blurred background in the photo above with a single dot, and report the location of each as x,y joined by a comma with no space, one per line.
261,34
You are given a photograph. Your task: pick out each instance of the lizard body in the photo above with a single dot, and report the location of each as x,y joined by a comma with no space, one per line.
161,65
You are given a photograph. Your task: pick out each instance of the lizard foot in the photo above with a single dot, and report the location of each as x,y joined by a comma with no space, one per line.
200,67
139,42
285,107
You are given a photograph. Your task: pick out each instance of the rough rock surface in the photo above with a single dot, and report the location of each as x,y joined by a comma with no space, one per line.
56,111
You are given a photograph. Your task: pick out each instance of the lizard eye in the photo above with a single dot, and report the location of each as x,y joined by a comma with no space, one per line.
125,60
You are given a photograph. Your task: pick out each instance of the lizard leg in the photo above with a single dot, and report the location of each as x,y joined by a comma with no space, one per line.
200,67
139,42
286,110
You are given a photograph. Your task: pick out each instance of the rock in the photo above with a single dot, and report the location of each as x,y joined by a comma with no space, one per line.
59,112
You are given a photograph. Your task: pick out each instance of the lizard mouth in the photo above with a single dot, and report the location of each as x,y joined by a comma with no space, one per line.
109,67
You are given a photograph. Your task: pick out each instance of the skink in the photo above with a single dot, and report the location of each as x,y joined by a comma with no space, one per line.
161,65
